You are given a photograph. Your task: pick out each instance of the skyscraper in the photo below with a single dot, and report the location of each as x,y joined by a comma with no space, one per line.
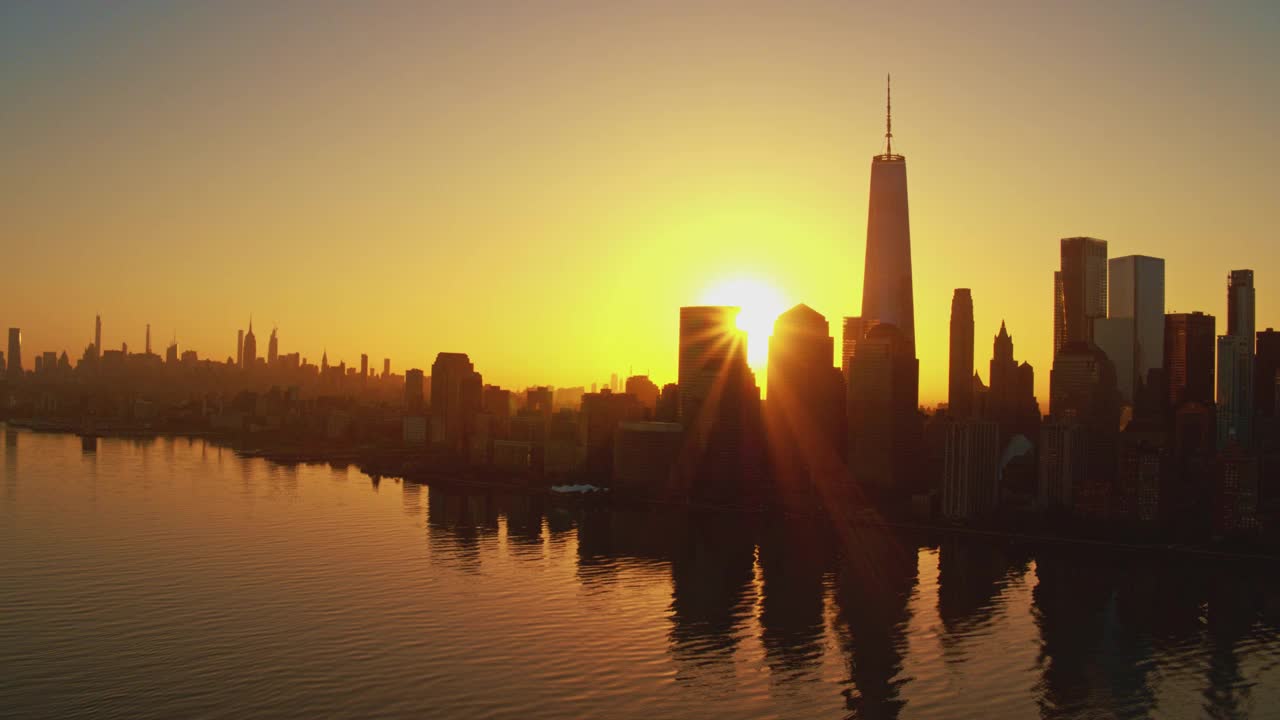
805,409
456,391
97,337
708,339
1011,401
15,353
240,348
1235,362
413,391
386,367
273,348
1240,304
884,428
1188,358
1266,366
1235,390
1082,387
970,463
148,345
1136,304
850,334
1080,290
364,367
960,372
887,295
250,356
719,408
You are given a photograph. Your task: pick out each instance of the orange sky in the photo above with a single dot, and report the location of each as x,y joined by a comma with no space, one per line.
542,185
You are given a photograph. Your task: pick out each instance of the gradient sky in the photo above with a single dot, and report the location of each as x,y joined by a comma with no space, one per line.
542,184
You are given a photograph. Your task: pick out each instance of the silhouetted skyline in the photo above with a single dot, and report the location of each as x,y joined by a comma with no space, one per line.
342,183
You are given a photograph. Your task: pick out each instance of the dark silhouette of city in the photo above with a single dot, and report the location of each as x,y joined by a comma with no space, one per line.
1142,442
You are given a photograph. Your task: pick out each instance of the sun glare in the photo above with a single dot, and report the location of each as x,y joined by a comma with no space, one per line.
761,304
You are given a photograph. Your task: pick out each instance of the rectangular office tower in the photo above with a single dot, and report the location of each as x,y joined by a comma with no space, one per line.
1235,363
1080,290
15,353
1134,340
1188,358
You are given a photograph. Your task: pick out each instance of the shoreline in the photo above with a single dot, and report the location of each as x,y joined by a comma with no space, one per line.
381,463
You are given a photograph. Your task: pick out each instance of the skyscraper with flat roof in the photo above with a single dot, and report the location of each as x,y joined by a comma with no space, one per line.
15,353
456,393
960,370
1266,366
709,337
850,334
1235,363
887,294
884,428
1080,290
1136,302
1240,304
413,391
1188,358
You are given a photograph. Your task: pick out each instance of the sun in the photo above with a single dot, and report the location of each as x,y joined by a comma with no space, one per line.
761,303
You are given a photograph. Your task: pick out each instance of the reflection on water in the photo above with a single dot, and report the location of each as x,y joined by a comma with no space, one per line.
197,582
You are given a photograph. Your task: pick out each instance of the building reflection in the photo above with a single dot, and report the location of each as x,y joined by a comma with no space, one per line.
1090,657
972,575
524,522
1113,627
459,521
794,559
712,592
875,577
10,464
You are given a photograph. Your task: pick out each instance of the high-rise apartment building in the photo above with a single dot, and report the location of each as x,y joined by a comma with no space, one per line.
413,390
1240,304
455,399
971,456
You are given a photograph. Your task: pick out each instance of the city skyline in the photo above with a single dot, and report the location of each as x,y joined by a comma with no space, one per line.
790,220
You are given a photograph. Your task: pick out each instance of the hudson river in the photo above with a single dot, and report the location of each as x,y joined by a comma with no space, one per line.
169,578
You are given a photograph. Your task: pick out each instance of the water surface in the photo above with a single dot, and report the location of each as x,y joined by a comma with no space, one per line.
169,578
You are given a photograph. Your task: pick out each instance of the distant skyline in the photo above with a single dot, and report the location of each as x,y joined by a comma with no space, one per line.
542,186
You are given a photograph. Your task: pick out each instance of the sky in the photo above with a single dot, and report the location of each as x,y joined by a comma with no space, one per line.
543,184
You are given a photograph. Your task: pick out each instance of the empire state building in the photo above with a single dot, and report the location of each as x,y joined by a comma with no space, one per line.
886,284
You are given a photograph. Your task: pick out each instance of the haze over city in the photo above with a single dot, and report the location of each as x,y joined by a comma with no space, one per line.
543,185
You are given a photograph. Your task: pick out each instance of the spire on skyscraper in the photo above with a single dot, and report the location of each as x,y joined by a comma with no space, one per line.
888,114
